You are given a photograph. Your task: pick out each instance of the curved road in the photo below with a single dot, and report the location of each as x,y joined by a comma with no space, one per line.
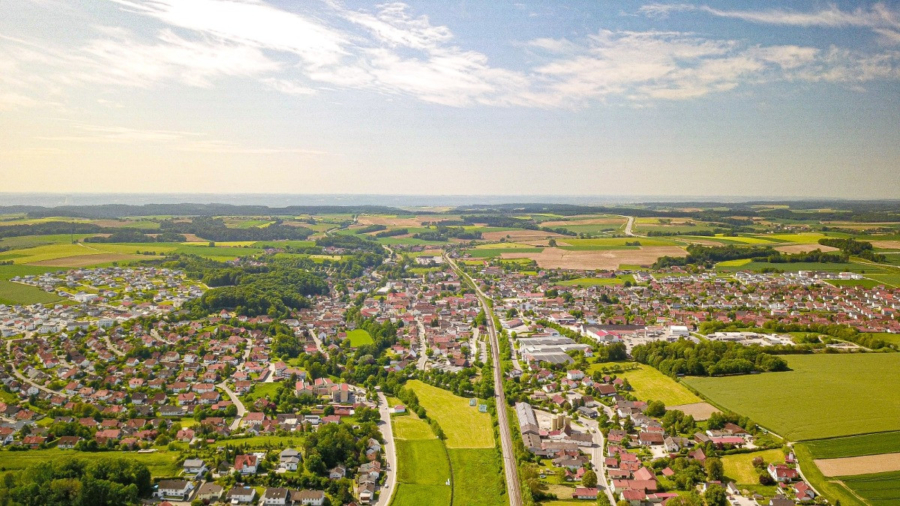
509,457
390,482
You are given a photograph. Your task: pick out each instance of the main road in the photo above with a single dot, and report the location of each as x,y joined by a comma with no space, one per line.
390,482
509,456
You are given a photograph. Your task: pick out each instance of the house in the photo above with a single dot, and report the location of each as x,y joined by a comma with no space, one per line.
804,492
289,459
308,497
67,442
782,473
337,473
194,467
175,489
240,495
274,497
780,500
585,494
245,464
210,491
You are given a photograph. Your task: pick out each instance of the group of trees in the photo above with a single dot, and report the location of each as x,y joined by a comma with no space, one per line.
710,255
706,358
214,229
77,482
851,246
131,235
443,234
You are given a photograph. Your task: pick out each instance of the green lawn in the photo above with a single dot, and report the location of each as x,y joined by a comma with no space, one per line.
877,489
652,385
591,282
407,427
161,463
16,293
261,390
855,446
464,426
477,477
822,396
359,337
740,467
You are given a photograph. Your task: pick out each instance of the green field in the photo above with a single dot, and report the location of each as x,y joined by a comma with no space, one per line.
491,253
652,385
463,425
870,270
877,489
591,282
740,467
830,488
16,293
407,427
822,396
422,462
261,390
616,241
477,477
416,495
855,446
161,463
359,337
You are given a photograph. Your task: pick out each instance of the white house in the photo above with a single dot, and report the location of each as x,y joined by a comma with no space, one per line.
175,489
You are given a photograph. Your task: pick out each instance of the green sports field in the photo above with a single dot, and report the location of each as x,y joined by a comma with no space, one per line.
822,396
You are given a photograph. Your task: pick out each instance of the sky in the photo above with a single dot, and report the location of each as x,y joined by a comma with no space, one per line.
443,97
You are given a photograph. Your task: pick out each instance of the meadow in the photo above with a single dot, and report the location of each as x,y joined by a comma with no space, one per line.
16,293
477,477
160,464
359,337
740,467
591,282
652,385
463,425
822,396
422,462
407,427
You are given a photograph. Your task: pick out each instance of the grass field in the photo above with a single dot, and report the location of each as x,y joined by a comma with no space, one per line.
616,241
464,426
161,463
491,253
16,293
477,477
422,462
407,427
261,390
359,337
652,385
416,495
804,266
822,396
740,467
854,446
877,489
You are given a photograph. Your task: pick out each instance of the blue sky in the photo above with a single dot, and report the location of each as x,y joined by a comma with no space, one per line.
442,97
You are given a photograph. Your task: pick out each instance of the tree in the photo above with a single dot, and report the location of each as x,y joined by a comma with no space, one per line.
715,470
715,496
656,409
589,479
551,243
628,424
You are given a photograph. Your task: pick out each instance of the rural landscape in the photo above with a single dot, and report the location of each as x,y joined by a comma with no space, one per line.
673,354
449,253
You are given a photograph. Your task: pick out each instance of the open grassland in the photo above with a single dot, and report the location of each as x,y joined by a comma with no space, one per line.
11,271
503,245
877,489
359,337
699,410
31,241
617,241
65,254
853,466
407,427
803,238
804,266
161,463
477,477
17,293
652,385
493,253
740,467
862,283
463,425
822,396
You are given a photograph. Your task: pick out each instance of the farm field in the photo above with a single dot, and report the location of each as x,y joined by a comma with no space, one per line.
414,495
464,426
877,489
617,241
740,467
493,253
822,396
591,282
803,266
854,446
833,489
854,466
652,385
359,337
557,258
423,471
477,477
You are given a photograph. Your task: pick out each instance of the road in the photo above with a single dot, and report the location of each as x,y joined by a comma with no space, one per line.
597,457
111,347
509,458
241,411
628,226
390,482
422,363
